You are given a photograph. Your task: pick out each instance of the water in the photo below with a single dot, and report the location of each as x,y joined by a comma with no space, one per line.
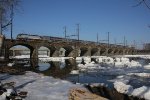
106,75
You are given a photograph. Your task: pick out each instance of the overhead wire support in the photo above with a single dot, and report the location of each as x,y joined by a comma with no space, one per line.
138,4
65,31
1,18
97,38
124,41
115,41
78,30
77,44
144,2
108,39
12,13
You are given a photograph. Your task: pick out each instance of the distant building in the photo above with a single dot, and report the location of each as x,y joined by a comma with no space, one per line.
147,46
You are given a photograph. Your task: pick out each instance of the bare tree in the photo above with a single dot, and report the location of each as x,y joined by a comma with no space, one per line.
145,2
6,12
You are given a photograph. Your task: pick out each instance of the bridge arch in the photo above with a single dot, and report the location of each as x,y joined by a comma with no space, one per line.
103,51
110,51
120,52
83,51
116,51
52,49
20,44
68,50
125,51
130,51
44,51
24,45
18,50
94,52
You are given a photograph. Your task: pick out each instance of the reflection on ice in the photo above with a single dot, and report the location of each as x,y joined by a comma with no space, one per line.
43,66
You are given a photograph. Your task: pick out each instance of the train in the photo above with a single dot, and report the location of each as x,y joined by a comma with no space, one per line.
29,37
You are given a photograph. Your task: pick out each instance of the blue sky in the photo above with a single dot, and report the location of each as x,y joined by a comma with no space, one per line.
48,17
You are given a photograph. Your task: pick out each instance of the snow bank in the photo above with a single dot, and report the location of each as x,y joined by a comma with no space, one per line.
10,64
41,87
104,61
74,72
122,87
139,56
147,66
58,59
134,64
89,66
6,94
87,59
124,62
146,75
143,92
1,57
22,57
78,60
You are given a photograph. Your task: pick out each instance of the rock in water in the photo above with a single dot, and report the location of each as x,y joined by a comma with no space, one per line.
82,94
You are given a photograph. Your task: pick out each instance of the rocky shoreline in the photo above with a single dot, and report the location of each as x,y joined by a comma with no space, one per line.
82,94
8,92
109,93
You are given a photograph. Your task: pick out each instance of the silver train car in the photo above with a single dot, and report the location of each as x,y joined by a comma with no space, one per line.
28,37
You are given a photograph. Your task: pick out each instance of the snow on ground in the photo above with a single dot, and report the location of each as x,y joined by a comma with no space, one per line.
40,87
74,72
147,66
88,66
10,64
1,57
59,59
123,88
146,75
21,57
107,62
85,59
142,92
140,56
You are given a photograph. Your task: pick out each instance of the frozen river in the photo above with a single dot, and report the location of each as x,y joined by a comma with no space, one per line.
127,74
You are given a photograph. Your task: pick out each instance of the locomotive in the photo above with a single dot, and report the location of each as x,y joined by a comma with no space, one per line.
37,37
28,37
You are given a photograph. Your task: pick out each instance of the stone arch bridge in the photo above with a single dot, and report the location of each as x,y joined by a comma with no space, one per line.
72,49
